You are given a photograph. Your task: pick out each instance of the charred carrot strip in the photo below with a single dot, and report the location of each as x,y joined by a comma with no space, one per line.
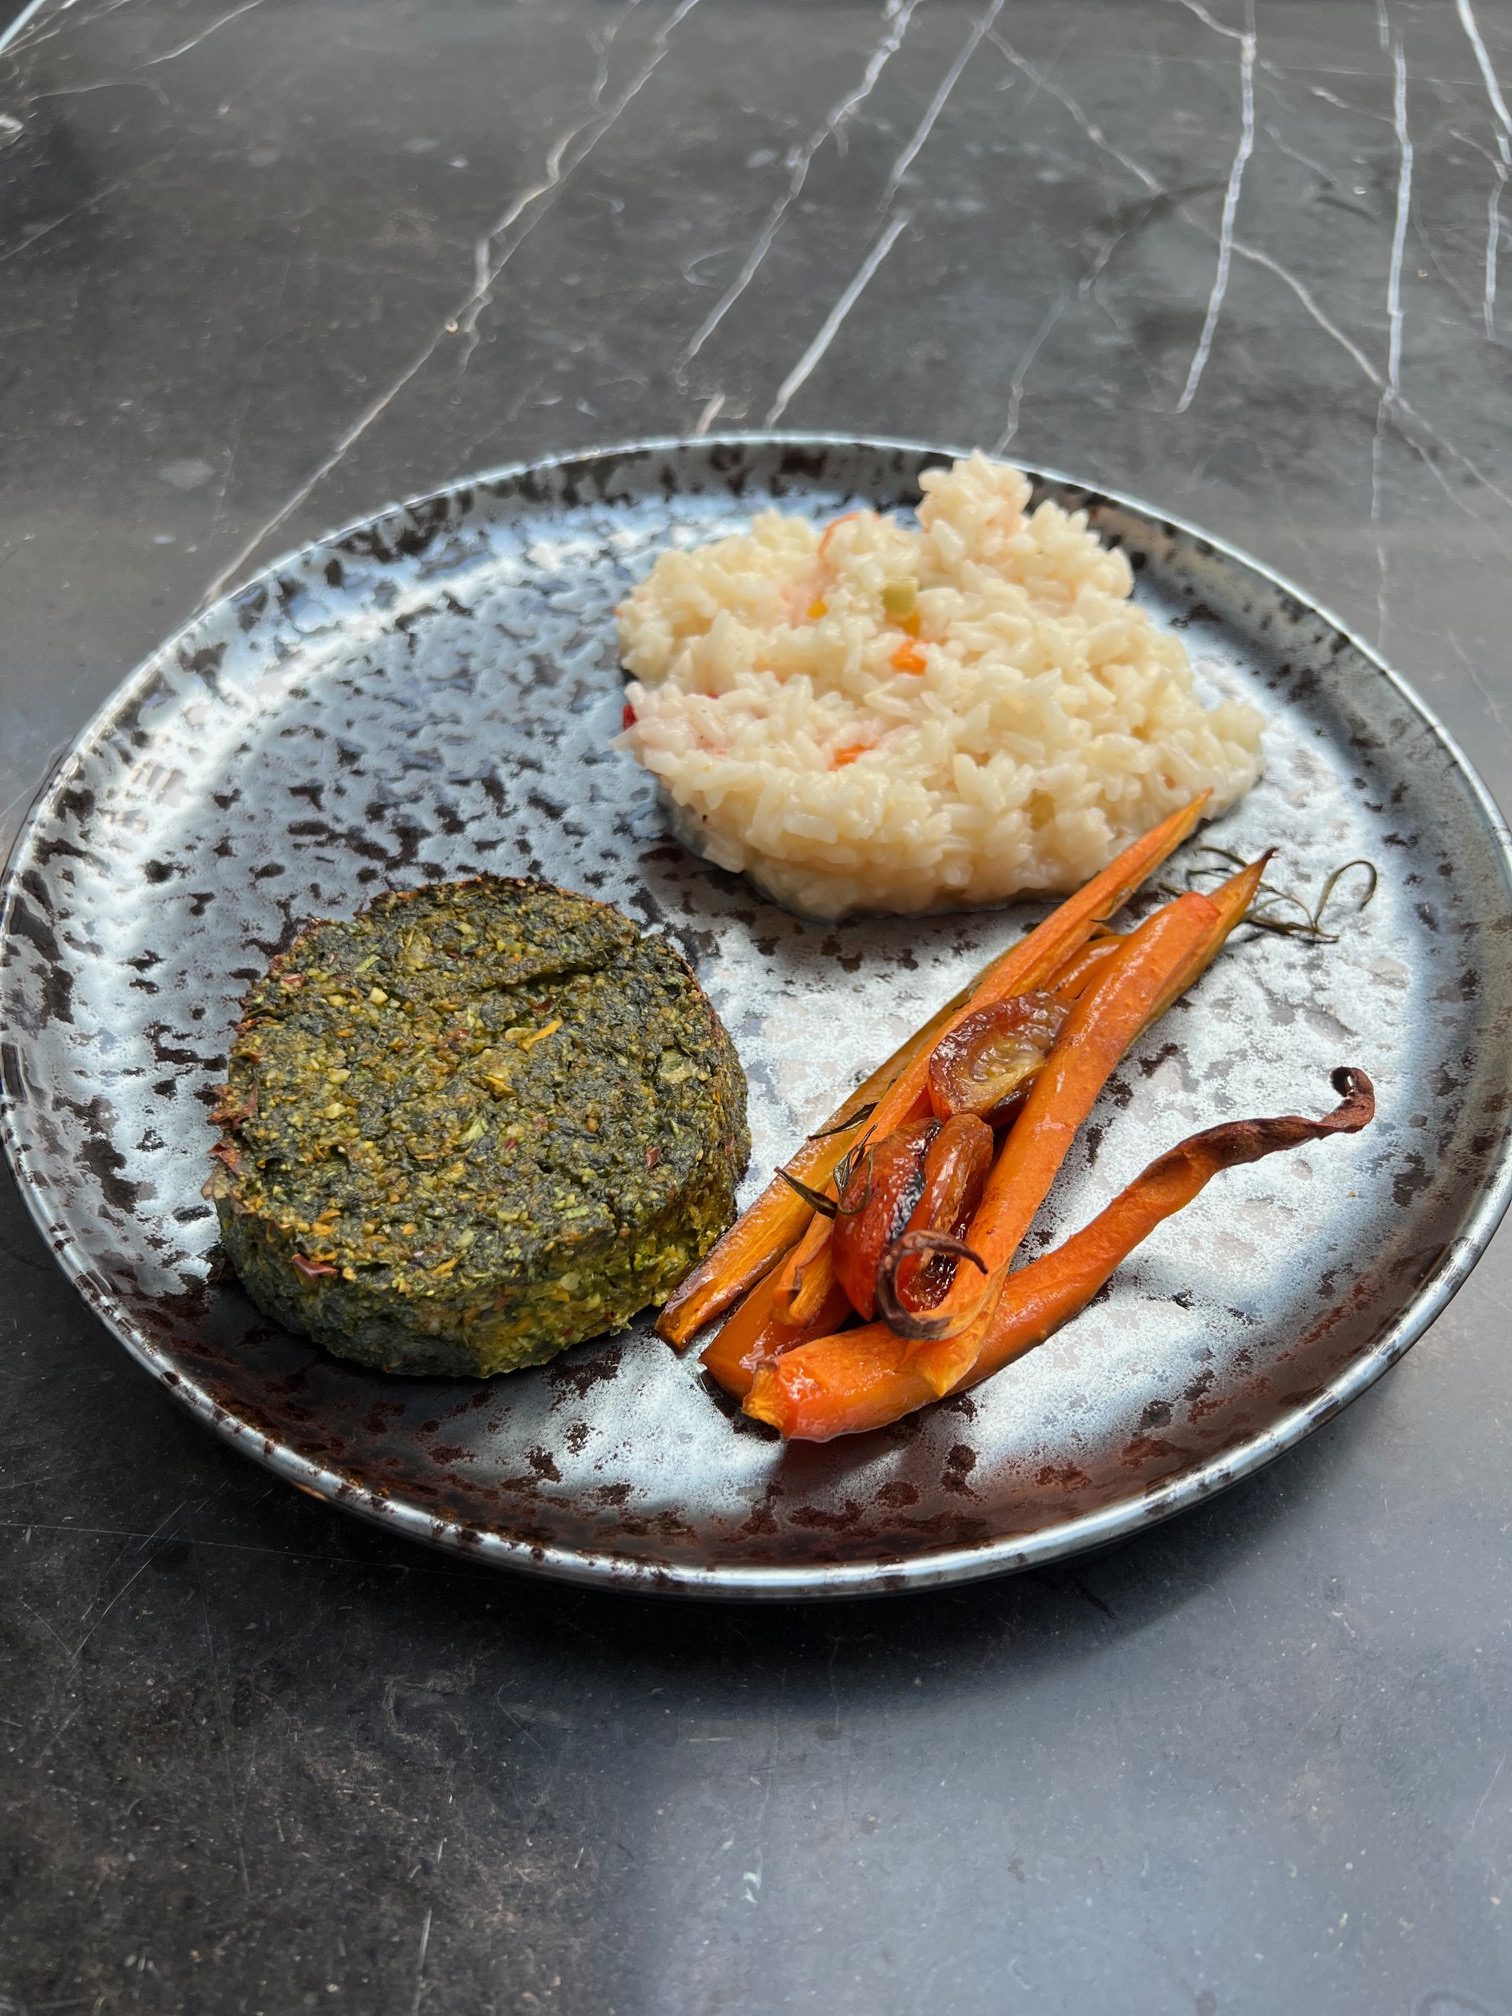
898,1089
753,1337
845,1384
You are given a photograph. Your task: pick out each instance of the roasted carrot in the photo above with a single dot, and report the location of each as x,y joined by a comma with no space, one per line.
1157,964
898,1089
768,1228
861,1379
1072,980
1028,965
753,1336
1105,1021
1231,900
940,1361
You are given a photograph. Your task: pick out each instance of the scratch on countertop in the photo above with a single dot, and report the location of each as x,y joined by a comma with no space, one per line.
169,55
1502,163
1043,82
1391,391
146,1561
1209,21
90,202
799,162
102,84
140,1568
1030,351
831,324
453,324
1490,1788
751,1878
54,1739
937,104
1343,104
486,272
1052,316
1283,146
1242,153
420,1960
47,1626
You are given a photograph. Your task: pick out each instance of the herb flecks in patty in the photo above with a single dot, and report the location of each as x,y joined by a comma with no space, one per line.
477,1123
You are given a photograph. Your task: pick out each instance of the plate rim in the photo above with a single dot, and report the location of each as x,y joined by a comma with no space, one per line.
932,1568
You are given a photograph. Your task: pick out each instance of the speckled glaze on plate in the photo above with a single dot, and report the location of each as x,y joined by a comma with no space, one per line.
434,693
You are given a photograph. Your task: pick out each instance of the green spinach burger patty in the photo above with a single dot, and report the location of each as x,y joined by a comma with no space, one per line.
475,1124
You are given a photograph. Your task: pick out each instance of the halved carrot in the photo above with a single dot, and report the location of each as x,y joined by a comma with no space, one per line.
1073,979
1027,966
1157,963
1231,900
856,1380
753,1337
767,1228
770,1226
1102,1025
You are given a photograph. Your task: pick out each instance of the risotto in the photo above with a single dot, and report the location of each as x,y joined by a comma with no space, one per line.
890,717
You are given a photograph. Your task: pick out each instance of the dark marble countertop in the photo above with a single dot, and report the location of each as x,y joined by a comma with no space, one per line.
266,266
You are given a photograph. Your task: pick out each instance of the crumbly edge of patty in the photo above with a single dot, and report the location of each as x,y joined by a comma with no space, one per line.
528,1324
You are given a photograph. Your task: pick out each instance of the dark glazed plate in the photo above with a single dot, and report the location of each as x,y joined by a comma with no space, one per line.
434,693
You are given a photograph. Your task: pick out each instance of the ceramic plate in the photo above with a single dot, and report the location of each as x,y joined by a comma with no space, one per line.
435,693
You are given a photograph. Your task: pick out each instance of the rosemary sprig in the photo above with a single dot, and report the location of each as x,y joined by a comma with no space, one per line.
1283,911
851,1120
818,1200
